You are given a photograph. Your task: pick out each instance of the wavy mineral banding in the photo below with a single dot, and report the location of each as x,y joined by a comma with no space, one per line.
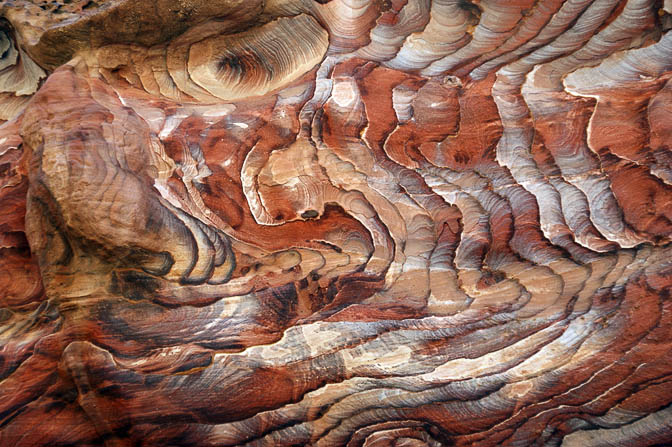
335,223
20,76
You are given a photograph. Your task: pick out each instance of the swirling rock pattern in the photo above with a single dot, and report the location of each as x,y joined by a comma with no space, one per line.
336,223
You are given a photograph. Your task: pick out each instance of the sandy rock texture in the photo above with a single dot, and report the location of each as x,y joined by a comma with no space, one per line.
375,223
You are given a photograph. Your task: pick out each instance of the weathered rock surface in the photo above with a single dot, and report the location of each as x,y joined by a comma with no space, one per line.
336,223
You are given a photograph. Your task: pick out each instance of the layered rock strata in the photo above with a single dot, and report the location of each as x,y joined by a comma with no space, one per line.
336,223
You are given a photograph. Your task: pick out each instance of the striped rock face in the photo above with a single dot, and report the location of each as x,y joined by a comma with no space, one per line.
336,223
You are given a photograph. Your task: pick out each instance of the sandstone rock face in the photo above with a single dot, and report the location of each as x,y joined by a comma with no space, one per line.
335,223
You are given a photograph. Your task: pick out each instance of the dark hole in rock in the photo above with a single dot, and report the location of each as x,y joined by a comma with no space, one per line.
309,214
